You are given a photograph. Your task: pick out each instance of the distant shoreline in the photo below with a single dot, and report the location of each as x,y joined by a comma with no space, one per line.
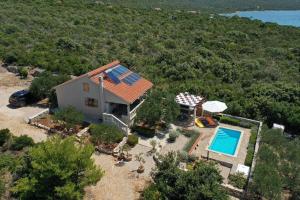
280,17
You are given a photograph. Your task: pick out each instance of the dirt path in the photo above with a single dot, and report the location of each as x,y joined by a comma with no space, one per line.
118,183
14,119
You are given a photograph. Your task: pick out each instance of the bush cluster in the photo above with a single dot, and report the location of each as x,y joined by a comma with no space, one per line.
20,142
132,140
14,143
187,147
251,146
173,136
23,72
235,122
5,135
237,180
144,131
105,134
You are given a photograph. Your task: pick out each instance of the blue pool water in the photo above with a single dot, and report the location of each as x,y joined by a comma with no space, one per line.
225,141
281,17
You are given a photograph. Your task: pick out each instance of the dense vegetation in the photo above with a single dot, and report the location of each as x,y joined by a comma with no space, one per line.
105,134
278,166
54,169
203,182
69,117
253,67
160,107
210,5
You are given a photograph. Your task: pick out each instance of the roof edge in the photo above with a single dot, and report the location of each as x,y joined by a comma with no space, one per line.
103,68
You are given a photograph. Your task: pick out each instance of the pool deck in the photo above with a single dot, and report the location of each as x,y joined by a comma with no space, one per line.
229,163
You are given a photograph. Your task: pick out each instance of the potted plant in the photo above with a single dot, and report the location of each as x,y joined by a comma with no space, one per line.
128,156
141,160
153,144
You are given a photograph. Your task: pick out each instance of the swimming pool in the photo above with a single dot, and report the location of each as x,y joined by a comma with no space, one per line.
225,141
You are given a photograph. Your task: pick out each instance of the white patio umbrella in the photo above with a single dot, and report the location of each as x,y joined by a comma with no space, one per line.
214,106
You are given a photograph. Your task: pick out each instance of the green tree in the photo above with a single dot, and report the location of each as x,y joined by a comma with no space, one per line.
23,72
5,135
42,87
104,133
203,182
57,169
158,107
69,117
20,142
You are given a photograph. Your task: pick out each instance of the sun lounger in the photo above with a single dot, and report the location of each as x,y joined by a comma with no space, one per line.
211,121
199,123
203,120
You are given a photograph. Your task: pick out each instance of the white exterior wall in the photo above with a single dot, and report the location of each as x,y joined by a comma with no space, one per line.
72,94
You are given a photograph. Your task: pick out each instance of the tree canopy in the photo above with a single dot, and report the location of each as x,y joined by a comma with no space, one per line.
252,66
170,182
159,107
278,166
69,116
56,169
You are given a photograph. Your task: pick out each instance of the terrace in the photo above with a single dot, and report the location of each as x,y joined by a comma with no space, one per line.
228,164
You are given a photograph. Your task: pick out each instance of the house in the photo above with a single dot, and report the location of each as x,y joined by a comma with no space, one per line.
110,90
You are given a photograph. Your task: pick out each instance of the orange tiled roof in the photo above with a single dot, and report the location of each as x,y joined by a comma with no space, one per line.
128,93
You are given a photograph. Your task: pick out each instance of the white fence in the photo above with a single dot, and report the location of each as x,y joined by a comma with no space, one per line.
259,124
37,116
111,119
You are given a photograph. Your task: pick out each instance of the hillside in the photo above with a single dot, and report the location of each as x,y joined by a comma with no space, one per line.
253,67
211,5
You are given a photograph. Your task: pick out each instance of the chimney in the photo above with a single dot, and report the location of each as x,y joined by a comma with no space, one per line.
101,85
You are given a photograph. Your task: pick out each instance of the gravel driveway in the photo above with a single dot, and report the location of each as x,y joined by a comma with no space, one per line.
14,118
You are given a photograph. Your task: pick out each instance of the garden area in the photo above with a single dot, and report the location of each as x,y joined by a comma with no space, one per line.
105,137
66,121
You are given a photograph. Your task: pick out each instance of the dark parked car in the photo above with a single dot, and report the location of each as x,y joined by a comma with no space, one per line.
20,98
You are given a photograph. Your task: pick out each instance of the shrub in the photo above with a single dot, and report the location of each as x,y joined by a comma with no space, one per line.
132,140
245,124
192,158
183,156
41,87
249,156
107,134
188,133
229,120
20,142
7,161
192,140
69,116
251,146
172,136
23,72
235,122
151,193
237,180
4,136
144,131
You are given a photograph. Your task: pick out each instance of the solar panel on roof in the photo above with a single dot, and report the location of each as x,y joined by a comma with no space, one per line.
131,78
119,70
114,78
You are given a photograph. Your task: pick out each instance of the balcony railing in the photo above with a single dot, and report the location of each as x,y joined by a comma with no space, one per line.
111,119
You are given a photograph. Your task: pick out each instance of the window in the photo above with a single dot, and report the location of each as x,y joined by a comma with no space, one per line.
91,102
86,87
